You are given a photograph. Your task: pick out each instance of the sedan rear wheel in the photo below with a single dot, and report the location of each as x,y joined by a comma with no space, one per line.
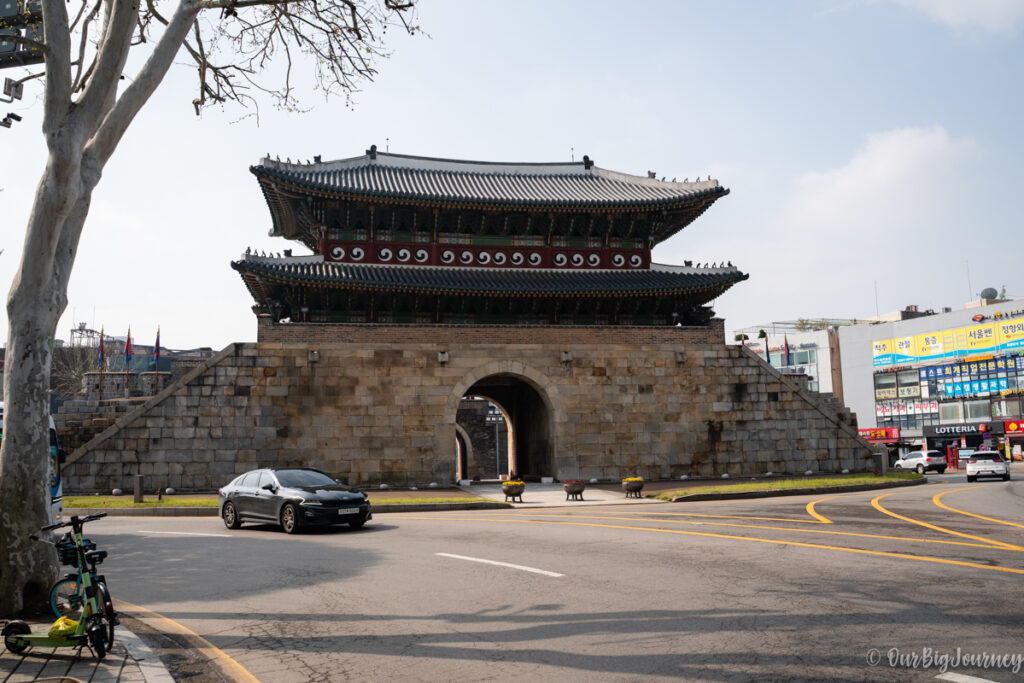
289,519
920,469
230,516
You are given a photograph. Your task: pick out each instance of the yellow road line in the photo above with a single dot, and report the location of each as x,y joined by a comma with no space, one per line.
859,551
936,500
811,511
623,517
229,666
695,514
878,506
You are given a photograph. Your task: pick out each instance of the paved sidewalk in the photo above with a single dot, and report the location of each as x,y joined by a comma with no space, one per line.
129,661
552,495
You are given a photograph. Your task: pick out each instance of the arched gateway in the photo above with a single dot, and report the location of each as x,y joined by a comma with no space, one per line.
531,407
431,280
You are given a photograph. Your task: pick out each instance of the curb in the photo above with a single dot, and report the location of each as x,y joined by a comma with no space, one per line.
798,492
215,512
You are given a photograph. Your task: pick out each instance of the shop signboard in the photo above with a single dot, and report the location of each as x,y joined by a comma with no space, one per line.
986,337
1014,428
962,430
880,434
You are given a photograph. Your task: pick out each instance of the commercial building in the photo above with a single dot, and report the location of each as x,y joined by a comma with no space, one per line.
952,380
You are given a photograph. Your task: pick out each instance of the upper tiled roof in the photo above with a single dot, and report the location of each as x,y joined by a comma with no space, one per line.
382,174
660,279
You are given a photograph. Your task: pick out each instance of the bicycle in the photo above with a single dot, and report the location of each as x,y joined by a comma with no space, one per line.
95,628
67,596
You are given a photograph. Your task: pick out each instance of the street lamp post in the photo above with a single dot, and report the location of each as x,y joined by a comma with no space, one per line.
494,416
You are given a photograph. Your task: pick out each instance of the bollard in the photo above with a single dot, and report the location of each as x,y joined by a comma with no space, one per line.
138,488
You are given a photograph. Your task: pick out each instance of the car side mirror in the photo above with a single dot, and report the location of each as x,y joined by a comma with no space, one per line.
62,456
268,487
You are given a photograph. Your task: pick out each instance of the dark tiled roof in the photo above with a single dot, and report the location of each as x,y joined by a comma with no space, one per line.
312,270
420,178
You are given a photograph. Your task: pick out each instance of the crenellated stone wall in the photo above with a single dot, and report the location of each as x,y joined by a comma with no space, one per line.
384,411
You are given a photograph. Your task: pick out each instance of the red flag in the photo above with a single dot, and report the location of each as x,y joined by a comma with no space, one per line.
128,350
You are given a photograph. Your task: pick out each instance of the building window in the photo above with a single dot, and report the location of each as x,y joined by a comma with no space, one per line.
1006,407
977,410
949,412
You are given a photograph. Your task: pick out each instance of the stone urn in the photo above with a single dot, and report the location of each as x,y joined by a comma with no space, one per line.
513,490
633,487
574,489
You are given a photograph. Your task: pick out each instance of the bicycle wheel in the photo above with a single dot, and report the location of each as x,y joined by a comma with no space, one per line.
107,605
67,598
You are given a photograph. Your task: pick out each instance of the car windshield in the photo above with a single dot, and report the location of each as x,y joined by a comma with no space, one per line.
301,478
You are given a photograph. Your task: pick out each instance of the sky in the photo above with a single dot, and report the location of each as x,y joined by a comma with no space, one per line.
872,149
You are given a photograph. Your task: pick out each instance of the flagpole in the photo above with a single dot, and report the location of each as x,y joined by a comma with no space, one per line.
156,352
127,360
101,364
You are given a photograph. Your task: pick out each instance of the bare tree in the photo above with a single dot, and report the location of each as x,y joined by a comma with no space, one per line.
88,106
70,363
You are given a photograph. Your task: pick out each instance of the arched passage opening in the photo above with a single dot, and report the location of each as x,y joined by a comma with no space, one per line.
515,432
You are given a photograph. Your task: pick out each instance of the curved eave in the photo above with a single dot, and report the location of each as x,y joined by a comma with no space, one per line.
301,185
259,276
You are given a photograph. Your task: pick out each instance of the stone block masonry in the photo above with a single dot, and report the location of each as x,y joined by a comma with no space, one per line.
375,404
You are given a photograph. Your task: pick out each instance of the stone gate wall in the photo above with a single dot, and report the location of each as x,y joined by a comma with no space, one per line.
380,407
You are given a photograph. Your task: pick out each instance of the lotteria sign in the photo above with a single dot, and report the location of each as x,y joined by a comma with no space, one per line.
964,429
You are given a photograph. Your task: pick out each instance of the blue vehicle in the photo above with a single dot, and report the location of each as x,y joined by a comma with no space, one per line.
56,460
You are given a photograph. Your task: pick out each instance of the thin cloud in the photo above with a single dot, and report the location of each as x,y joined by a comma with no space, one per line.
993,16
889,215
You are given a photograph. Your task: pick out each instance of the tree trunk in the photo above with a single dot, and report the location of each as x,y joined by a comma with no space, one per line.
27,567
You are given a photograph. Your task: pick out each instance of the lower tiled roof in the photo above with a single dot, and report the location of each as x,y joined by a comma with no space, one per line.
504,282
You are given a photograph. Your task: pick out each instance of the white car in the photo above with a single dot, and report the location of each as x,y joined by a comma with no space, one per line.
987,464
922,461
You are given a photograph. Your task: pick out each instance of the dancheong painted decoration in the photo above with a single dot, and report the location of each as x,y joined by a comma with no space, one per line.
404,239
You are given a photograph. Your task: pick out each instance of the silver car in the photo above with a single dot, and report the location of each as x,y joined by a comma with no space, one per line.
922,461
987,464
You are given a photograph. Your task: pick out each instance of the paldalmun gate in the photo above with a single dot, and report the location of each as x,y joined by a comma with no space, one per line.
435,280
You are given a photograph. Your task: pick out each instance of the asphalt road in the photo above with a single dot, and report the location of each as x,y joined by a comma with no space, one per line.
775,589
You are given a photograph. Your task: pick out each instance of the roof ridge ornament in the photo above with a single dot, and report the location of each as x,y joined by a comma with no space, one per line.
372,152
587,163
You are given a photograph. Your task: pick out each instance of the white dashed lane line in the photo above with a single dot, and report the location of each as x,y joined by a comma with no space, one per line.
501,564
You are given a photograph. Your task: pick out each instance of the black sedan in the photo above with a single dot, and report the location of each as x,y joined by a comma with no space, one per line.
293,498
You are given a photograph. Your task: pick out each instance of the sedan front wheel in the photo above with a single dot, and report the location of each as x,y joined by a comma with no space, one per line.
289,519
230,516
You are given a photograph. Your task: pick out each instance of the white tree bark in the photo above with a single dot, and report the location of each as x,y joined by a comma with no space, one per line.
81,137
81,134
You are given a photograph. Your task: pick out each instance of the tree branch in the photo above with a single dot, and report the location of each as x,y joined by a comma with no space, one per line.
57,53
110,60
149,77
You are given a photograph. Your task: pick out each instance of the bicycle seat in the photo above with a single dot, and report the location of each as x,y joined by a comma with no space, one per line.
96,556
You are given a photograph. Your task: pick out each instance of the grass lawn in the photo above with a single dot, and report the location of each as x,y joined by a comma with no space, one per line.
128,502
788,484
109,502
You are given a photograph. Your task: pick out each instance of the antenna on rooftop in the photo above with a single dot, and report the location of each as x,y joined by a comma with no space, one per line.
572,154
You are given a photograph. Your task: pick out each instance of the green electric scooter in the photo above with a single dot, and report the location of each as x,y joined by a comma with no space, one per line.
95,627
